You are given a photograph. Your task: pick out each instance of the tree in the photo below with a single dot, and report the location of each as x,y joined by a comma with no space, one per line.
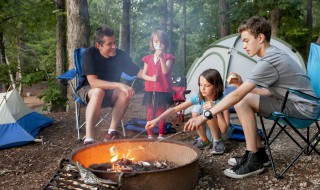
224,18
78,30
124,38
61,50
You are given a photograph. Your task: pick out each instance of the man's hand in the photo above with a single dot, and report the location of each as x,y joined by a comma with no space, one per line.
194,123
150,124
127,89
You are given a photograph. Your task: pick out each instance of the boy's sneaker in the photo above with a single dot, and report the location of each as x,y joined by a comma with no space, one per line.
218,147
252,166
201,144
238,160
112,136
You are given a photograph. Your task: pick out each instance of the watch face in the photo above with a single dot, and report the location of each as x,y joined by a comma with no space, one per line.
206,113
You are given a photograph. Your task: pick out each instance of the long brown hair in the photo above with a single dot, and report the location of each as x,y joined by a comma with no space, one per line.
214,78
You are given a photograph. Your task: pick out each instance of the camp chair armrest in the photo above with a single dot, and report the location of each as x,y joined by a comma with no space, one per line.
303,95
298,93
68,75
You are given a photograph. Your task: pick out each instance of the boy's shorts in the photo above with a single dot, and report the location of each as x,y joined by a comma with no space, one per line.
224,136
268,105
106,102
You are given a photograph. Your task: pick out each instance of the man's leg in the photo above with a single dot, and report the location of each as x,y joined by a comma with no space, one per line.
93,110
246,110
121,102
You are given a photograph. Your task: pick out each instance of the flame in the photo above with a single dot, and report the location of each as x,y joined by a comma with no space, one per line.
126,155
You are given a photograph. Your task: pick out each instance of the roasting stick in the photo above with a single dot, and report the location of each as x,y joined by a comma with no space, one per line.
170,136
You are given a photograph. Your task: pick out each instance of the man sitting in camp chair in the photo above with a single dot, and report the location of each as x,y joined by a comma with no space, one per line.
101,87
275,72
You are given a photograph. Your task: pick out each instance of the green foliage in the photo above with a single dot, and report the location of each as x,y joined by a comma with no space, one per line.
52,95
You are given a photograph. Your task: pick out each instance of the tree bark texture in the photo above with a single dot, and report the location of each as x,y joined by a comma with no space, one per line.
275,20
170,33
21,57
78,27
184,44
224,18
125,26
78,31
61,50
164,15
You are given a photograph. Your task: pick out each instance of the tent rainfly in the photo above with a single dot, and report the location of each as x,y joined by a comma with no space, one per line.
227,55
18,123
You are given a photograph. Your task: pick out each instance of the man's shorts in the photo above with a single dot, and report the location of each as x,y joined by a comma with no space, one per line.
268,105
106,102
224,136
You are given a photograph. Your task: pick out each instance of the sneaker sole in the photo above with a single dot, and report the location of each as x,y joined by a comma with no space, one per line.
230,173
217,153
232,162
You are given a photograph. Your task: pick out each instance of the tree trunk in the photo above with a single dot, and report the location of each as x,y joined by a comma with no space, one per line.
170,33
224,18
78,27
61,51
184,46
125,26
309,23
2,56
21,57
275,20
164,15
106,10
78,31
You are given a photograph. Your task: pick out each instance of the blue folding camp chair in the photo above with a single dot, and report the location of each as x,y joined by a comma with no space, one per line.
74,78
285,122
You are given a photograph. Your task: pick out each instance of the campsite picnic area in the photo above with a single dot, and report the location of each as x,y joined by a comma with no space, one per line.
33,165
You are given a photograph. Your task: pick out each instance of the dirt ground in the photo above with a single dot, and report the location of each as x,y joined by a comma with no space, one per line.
33,165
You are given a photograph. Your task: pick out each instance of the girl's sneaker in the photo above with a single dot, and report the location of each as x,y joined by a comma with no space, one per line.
150,137
160,137
202,144
218,147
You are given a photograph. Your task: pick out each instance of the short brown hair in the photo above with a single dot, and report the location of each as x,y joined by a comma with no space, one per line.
100,33
213,77
256,25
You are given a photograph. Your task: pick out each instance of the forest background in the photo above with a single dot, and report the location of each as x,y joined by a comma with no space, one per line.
38,37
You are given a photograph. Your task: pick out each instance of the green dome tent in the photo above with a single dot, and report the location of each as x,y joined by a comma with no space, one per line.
227,55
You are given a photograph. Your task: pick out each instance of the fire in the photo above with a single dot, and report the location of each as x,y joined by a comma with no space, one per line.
115,155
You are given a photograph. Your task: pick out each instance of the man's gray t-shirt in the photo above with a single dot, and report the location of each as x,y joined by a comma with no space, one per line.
277,72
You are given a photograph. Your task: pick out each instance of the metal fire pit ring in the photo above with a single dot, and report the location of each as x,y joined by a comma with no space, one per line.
184,176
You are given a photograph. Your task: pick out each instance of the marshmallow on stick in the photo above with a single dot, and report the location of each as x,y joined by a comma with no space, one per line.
232,78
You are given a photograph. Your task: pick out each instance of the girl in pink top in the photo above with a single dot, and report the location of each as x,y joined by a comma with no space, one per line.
158,86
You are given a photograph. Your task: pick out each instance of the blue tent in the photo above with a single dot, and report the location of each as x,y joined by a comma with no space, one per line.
18,123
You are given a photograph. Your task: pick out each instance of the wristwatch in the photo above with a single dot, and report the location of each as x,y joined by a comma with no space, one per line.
207,114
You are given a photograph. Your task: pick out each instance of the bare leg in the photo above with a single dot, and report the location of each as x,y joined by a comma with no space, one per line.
214,128
201,131
246,110
121,102
93,110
